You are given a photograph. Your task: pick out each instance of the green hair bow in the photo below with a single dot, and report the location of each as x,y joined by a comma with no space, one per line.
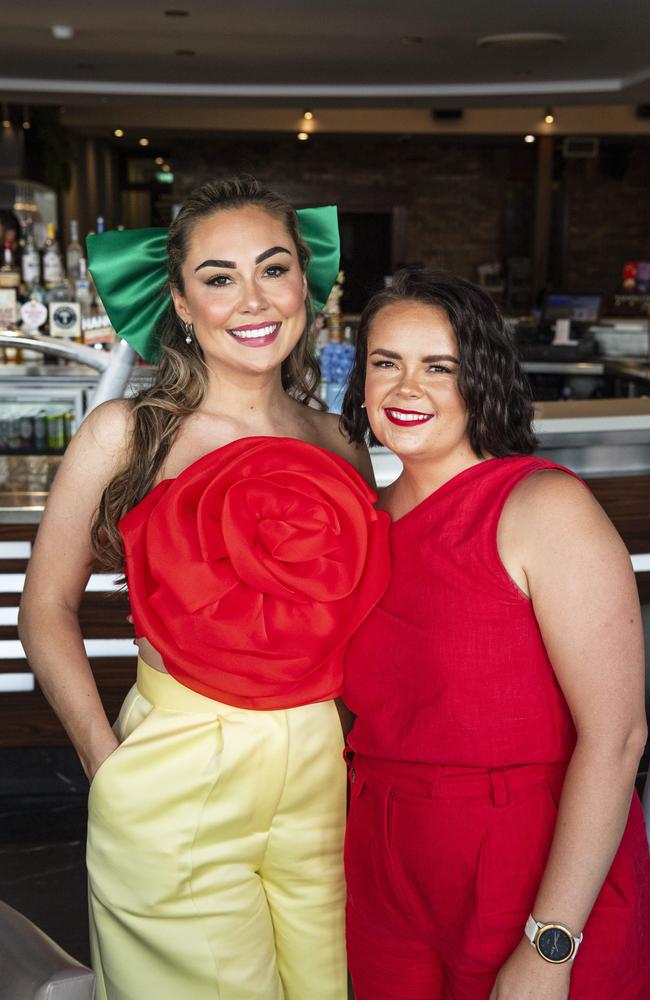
129,268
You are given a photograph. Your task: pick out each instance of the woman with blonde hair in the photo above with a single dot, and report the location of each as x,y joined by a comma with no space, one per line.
251,550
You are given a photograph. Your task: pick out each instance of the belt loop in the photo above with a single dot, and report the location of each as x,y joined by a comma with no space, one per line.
436,779
499,788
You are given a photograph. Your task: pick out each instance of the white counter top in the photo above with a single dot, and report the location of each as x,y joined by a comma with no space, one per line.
592,416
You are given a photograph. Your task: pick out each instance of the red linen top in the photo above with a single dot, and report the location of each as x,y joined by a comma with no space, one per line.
450,667
250,571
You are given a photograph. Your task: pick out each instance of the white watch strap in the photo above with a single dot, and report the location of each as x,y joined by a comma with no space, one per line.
532,926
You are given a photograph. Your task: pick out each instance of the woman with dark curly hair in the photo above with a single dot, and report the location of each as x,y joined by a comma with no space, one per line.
492,850
252,550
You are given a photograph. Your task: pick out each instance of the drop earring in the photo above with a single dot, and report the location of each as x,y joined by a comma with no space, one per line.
363,406
189,332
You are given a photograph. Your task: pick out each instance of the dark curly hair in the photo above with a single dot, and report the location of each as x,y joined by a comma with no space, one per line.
491,381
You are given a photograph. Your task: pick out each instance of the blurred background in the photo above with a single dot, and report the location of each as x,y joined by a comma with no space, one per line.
509,143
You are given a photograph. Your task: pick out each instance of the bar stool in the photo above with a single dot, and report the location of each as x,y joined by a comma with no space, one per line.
33,967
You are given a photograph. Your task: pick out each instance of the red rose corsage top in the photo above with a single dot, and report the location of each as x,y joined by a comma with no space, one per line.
250,571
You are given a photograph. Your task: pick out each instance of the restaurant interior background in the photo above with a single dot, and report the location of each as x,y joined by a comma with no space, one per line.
507,142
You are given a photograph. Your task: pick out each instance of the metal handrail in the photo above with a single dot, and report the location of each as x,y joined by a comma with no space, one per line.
114,367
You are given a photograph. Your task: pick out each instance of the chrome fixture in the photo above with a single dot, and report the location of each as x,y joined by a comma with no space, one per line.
114,367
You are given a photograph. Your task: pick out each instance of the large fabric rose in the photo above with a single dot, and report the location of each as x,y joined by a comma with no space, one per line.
250,571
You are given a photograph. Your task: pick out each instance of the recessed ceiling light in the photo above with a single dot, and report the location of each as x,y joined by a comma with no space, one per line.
177,13
184,52
308,115
63,32
302,136
529,138
143,142
521,39
549,117
412,40
118,133
159,161
166,169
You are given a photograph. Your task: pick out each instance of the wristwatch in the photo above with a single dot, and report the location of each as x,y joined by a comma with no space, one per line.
553,942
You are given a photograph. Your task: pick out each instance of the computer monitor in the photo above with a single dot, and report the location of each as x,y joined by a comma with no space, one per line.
577,308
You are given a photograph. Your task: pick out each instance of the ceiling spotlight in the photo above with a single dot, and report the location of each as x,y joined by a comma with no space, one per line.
529,138
26,122
143,142
62,32
166,169
6,121
549,117
159,161
302,136
308,115
118,133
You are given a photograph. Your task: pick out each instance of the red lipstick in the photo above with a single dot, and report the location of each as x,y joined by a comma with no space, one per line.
406,418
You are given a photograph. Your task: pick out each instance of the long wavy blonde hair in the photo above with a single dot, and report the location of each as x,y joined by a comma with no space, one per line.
182,376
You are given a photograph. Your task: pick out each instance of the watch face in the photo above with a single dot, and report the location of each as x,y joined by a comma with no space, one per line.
555,944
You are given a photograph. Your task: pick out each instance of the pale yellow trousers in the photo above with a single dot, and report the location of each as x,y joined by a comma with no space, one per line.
215,843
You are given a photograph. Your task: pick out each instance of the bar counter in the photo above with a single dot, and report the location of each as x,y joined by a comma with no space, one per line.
606,441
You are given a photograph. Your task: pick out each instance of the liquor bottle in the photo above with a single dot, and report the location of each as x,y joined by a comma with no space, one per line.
74,253
82,291
100,224
31,262
60,290
9,285
9,273
52,264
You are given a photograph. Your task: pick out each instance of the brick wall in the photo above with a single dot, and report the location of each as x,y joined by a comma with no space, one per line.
453,193
465,201
608,219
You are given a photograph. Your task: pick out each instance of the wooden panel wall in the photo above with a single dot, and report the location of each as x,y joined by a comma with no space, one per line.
26,719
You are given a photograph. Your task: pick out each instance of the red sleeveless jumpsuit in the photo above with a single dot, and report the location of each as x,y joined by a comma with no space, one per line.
458,756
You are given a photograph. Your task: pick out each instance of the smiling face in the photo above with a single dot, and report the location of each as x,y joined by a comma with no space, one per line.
412,397
243,289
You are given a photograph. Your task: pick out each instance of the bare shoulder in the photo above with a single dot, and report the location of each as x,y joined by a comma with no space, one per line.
109,425
549,493
551,506
100,446
330,435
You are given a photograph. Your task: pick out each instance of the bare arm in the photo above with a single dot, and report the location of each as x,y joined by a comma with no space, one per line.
580,579
58,572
